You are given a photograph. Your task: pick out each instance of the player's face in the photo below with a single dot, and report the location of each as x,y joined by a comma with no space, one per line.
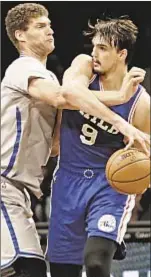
105,57
39,36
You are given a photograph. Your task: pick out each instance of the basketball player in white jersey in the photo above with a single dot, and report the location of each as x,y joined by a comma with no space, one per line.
30,95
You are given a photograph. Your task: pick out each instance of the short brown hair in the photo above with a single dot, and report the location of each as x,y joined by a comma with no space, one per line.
19,17
122,32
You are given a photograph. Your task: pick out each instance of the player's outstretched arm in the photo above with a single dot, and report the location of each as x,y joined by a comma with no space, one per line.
80,73
69,96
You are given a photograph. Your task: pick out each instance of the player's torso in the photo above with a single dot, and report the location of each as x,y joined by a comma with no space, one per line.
88,142
27,126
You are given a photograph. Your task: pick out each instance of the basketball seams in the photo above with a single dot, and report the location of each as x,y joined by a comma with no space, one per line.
121,164
113,157
111,160
123,192
134,162
129,181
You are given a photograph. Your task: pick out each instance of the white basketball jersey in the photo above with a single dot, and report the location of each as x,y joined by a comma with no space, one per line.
26,125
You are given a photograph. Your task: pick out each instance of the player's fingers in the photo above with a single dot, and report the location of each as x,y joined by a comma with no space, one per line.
147,139
125,140
137,69
139,72
130,142
136,74
144,146
137,80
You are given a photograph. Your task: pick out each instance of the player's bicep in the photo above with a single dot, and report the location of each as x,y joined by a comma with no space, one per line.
45,90
80,71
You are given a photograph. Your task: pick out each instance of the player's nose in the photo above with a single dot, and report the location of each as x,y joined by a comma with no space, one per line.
50,31
93,54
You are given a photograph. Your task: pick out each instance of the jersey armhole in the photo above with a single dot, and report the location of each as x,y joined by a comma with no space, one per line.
133,108
92,79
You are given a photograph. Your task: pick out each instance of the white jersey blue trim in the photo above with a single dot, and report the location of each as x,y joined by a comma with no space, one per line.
16,145
18,253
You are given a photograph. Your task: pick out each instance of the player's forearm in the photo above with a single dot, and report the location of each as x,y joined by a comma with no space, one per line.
110,98
72,97
88,103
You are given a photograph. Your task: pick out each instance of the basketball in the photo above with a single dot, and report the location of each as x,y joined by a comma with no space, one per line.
128,171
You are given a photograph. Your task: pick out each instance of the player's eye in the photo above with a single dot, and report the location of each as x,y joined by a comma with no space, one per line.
41,26
102,48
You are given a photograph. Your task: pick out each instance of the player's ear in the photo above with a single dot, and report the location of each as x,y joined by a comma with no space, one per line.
20,35
123,54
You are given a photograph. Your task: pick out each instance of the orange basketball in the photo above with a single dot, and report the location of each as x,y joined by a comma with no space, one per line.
128,171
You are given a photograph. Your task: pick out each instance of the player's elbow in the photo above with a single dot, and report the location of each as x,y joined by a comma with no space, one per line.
60,100
46,91
64,96
67,96
55,151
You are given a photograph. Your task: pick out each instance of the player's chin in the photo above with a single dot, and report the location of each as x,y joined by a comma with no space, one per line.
51,48
96,69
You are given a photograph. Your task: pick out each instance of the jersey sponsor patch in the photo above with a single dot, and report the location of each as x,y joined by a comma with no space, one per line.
107,223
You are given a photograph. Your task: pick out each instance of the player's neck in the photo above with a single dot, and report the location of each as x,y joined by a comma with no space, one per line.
113,80
31,53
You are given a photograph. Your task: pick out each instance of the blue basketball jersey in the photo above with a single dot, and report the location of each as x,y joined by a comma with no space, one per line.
88,142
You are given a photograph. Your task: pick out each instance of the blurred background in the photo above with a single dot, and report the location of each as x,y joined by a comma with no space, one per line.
69,20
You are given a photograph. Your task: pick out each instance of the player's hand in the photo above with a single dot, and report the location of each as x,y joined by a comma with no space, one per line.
134,135
131,81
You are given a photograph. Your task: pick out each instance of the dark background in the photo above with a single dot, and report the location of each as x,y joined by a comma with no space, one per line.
69,19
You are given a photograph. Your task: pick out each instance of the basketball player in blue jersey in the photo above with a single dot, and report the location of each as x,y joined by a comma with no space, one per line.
30,95
88,217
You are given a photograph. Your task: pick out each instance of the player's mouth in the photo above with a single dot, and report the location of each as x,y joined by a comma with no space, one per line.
51,39
96,63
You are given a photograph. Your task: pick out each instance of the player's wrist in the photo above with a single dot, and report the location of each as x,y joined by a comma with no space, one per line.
118,122
124,95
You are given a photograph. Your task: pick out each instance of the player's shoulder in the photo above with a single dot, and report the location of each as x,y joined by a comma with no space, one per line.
20,64
83,65
82,58
143,100
143,92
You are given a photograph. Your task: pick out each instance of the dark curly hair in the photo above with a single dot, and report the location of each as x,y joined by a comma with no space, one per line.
121,32
19,17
